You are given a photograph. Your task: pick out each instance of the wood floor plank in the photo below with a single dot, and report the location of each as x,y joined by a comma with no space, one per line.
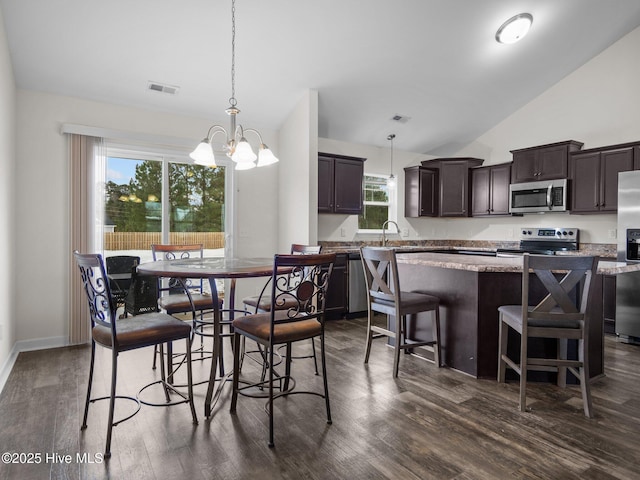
429,423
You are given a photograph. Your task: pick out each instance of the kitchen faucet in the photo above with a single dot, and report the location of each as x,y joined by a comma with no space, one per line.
384,230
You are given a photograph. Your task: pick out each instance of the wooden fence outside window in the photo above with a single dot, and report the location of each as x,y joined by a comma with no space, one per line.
143,240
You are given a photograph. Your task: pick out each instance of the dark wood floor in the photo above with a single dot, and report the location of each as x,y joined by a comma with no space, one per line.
428,423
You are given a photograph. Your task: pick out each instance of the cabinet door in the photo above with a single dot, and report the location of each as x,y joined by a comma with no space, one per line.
348,176
585,182
428,192
337,300
454,185
480,191
500,177
552,163
420,192
525,167
612,163
325,184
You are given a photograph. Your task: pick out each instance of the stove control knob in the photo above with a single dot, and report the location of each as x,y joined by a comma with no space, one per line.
570,233
564,232
524,232
529,232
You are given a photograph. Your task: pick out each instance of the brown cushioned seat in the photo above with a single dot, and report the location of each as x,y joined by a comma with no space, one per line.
179,303
142,331
258,326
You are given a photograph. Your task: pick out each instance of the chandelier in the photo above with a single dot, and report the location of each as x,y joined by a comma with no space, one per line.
236,146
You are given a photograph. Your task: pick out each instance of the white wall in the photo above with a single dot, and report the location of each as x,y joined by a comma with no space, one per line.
597,104
298,179
7,195
42,219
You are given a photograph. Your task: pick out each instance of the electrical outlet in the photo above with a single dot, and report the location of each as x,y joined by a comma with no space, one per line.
405,232
613,233
510,233
343,232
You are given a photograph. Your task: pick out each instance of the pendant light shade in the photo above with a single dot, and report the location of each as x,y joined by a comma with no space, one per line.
203,154
265,156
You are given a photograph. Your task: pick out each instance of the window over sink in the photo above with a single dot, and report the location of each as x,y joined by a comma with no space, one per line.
377,204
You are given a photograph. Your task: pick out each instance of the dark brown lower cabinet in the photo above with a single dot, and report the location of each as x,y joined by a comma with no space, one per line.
337,302
609,303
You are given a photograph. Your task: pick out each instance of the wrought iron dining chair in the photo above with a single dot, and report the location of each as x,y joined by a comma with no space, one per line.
262,303
384,295
556,316
175,300
302,321
121,335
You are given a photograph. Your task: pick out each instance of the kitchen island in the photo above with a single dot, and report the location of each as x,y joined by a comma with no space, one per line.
471,289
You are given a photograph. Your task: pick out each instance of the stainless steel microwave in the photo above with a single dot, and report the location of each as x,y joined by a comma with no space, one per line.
538,197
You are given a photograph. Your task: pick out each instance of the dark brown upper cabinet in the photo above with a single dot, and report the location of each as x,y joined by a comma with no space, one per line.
420,192
453,184
544,162
340,184
490,190
594,177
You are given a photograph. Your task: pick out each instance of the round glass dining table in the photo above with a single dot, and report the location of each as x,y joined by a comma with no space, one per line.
212,268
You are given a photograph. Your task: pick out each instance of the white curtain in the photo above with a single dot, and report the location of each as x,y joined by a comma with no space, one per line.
86,212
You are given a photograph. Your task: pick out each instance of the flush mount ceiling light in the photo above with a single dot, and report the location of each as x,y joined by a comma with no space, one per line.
236,145
391,181
515,28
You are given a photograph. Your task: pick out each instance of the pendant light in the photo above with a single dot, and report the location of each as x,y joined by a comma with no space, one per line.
391,181
236,145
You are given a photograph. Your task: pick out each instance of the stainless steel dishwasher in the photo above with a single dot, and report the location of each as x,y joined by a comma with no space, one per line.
357,287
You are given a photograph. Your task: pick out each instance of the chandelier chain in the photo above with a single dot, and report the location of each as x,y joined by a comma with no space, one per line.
233,100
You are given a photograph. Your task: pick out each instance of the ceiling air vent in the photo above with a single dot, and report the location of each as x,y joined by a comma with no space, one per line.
400,118
162,88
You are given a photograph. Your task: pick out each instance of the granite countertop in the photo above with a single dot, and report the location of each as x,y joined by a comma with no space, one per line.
475,263
595,249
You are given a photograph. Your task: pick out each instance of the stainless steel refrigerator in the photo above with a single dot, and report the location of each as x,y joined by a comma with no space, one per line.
628,284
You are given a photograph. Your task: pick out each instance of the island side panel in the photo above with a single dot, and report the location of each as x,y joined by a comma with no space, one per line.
458,293
494,290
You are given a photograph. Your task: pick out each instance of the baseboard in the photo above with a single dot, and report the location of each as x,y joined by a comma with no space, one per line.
27,346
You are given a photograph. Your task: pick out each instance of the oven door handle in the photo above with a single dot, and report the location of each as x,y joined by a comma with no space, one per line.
549,188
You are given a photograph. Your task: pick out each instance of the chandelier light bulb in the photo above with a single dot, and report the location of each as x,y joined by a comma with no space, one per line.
245,165
265,156
243,152
203,154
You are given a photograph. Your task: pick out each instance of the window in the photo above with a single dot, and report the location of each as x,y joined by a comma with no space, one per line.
161,198
377,203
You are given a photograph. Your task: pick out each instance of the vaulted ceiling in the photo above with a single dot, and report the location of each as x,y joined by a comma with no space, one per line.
435,63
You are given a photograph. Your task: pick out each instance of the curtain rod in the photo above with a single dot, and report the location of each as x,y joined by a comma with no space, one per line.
112,134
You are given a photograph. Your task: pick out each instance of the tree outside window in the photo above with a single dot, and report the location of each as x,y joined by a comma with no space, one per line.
376,204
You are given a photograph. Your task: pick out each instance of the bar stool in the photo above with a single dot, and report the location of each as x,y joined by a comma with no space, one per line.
385,296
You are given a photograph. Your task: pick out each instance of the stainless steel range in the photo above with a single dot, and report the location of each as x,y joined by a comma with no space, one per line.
543,241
